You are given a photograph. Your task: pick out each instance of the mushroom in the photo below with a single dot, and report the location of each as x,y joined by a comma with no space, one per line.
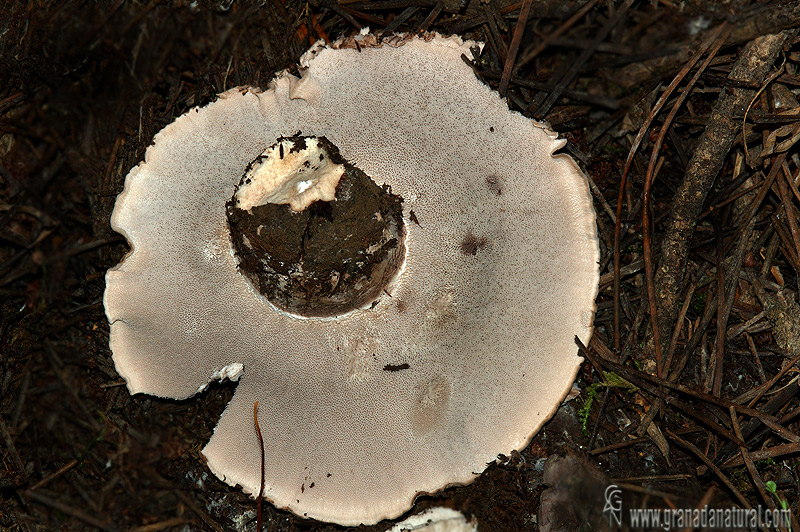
442,337
437,519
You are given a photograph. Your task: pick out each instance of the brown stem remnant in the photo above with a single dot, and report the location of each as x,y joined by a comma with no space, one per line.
751,68
308,251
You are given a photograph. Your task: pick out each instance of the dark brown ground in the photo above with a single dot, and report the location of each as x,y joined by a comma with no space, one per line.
83,89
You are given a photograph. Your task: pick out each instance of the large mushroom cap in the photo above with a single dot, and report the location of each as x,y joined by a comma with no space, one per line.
466,355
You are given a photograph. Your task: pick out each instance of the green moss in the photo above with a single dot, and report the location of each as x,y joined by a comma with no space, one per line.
740,478
699,302
586,409
610,380
614,149
637,248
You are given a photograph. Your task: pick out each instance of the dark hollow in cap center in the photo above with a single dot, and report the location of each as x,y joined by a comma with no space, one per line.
313,233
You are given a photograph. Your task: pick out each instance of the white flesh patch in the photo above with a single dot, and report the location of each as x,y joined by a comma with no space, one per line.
298,178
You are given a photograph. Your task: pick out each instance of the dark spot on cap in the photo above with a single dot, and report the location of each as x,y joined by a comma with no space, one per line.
491,128
472,244
494,184
413,217
311,485
396,367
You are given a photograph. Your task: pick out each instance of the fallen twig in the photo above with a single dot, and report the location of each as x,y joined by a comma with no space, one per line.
752,67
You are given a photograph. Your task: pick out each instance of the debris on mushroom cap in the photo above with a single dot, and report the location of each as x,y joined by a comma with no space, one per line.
436,520
465,355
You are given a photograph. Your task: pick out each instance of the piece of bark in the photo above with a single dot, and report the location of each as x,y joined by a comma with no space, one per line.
783,314
575,498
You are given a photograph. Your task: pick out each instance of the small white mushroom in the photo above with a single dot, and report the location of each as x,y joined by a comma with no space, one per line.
436,520
465,349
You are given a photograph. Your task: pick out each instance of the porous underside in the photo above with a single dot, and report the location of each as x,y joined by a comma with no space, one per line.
501,274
